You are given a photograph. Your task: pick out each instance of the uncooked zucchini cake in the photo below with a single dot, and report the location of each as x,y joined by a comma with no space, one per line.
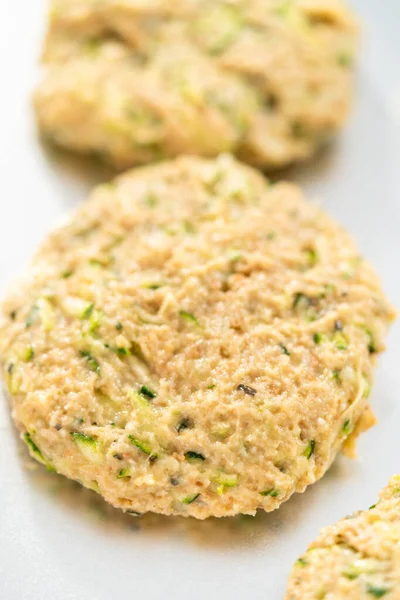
194,340
136,81
356,559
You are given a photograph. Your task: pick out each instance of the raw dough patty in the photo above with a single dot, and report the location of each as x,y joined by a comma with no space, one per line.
194,341
136,81
356,559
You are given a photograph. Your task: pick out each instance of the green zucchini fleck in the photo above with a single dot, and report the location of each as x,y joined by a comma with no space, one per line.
188,227
188,317
377,591
142,445
284,349
318,337
35,450
123,474
153,286
367,386
309,451
273,493
92,46
185,423
344,59
146,391
94,322
151,200
86,314
194,457
119,326
304,306
66,274
372,346
340,341
29,354
284,8
298,130
81,437
312,256
219,28
120,350
94,262
190,499
32,316
349,574
301,562
88,446
92,362
225,481
235,256
347,427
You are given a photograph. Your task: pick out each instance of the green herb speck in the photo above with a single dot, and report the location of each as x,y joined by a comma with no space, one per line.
146,391
93,363
123,351
194,457
185,423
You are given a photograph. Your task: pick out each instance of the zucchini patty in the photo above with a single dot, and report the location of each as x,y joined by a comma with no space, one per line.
194,341
134,81
356,559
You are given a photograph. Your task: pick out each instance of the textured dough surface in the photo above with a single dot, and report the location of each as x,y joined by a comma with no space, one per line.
135,81
194,341
356,559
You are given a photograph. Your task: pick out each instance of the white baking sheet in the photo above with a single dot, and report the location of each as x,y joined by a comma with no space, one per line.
58,541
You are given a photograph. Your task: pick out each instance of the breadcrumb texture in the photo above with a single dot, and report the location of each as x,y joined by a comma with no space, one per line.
193,341
136,81
356,559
